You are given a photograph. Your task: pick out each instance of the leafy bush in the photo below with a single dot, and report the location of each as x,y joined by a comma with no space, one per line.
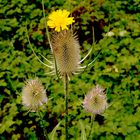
117,69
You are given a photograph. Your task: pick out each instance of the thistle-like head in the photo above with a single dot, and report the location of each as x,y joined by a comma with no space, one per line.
66,50
95,101
33,95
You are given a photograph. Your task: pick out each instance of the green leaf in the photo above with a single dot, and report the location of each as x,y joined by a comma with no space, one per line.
54,131
83,133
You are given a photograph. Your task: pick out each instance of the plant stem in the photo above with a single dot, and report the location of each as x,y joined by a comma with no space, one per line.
42,123
48,37
66,104
91,125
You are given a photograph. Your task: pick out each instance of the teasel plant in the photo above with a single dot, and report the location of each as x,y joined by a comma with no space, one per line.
65,50
95,102
33,98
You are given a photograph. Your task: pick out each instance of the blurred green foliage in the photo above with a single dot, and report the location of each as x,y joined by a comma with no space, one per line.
117,68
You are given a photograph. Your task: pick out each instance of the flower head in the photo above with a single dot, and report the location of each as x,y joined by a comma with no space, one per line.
95,101
110,33
66,49
122,33
59,20
33,95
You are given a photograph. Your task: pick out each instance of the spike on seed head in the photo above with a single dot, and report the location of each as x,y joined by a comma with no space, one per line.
67,52
33,95
95,101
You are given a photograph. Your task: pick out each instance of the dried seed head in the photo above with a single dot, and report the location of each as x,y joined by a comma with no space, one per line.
95,101
67,52
33,95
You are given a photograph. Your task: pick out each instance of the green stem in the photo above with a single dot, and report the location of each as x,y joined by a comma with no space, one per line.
48,36
93,34
42,123
91,125
66,104
49,40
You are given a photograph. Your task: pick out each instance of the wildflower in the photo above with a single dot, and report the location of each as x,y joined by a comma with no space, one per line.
122,33
67,52
33,95
59,20
109,34
95,101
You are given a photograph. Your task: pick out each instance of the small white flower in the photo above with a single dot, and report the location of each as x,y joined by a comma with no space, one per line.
110,33
33,95
122,33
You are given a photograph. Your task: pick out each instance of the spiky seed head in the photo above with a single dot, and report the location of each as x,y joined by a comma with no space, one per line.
33,95
95,101
67,52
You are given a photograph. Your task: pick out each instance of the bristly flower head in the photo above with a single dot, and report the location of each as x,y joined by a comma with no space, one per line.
33,95
95,101
67,52
59,20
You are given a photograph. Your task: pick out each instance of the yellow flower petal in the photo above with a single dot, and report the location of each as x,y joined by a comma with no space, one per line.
50,24
57,29
59,20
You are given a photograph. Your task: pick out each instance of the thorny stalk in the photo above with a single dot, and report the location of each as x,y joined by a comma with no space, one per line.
66,104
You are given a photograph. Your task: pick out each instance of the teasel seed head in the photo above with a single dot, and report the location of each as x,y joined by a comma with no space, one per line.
33,95
95,101
66,49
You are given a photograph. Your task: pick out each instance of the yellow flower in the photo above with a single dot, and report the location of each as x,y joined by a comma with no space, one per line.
59,20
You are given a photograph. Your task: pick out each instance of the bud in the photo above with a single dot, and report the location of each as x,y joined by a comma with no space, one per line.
33,95
66,49
95,101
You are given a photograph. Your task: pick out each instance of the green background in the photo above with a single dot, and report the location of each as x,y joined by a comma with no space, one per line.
117,68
